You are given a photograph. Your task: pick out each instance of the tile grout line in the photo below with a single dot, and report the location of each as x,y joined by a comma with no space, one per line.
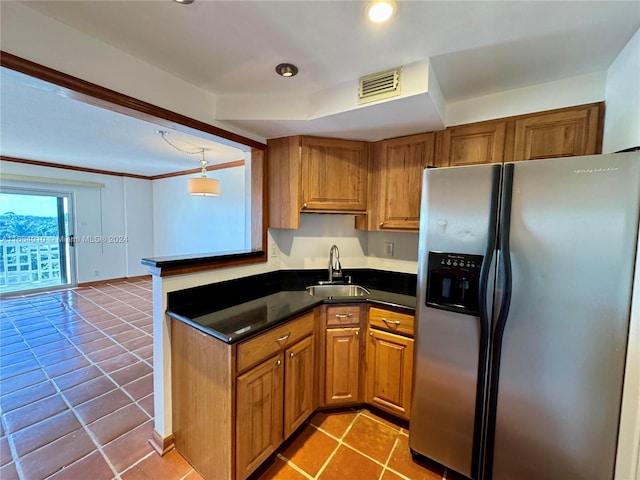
344,434
340,440
18,459
44,313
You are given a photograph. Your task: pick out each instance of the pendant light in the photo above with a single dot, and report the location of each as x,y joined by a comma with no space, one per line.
203,186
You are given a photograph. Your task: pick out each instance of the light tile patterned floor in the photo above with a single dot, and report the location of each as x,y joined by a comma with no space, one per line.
76,401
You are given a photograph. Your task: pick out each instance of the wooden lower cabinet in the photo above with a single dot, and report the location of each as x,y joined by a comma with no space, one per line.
342,375
259,429
389,372
233,405
298,384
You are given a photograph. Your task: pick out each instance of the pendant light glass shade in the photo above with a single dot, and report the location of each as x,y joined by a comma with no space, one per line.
204,187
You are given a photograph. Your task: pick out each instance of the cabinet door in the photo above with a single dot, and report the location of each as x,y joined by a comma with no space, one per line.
334,175
472,144
400,163
258,415
389,372
298,384
342,380
563,133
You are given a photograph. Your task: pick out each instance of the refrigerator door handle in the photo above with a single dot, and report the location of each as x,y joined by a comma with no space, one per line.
485,320
504,247
499,325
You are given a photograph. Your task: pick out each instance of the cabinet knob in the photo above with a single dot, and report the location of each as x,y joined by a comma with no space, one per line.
291,355
371,334
357,332
304,205
279,362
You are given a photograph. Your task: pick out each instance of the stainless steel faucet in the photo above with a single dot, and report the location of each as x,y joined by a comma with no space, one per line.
335,270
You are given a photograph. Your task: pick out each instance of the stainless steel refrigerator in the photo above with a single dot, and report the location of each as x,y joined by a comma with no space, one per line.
524,290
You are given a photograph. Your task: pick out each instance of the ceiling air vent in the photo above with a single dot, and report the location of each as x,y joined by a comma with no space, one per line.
380,85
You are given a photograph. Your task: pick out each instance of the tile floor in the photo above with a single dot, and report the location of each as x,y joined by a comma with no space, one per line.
349,445
76,401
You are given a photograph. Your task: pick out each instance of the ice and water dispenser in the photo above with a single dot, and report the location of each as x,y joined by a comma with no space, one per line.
453,281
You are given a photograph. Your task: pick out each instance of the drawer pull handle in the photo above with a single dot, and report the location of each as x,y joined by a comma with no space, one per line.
291,354
283,338
279,362
344,315
391,322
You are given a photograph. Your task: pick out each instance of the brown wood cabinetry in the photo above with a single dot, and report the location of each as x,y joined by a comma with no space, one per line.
471,144
563,132
259,431
313,174
300,367
244,398
567,132
396,182
389,361
343,355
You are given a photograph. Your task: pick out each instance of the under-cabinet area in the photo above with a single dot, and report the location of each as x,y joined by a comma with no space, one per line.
235,403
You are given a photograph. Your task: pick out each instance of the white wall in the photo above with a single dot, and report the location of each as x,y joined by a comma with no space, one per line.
622,116
308,247
184,224
536,98
117,209
138,205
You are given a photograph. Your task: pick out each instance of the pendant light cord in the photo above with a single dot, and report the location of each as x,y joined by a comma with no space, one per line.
203,162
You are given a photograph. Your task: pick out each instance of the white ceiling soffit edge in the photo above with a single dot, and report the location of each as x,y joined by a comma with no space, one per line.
335,111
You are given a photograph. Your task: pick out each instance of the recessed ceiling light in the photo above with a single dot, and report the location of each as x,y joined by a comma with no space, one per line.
287,69
380,11
184,2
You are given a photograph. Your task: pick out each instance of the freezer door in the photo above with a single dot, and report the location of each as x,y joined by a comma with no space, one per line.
573,236
455,216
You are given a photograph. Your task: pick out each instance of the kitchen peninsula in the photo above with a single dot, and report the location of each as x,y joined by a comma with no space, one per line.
252,358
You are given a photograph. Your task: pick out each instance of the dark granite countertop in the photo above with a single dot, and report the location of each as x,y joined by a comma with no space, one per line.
235,318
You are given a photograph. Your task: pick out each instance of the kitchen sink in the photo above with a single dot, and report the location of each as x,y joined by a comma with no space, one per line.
338,290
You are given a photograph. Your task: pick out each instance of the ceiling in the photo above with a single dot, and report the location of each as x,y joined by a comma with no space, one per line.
230,49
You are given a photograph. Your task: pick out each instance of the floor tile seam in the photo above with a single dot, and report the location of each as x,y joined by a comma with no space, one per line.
118,300
96,326
84,426
116,342
386,464
294,466
340,442
129,292
130,467
188,473
104,373
372,417
12,449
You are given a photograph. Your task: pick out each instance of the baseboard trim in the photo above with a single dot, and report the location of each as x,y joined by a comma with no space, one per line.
162,445
111,280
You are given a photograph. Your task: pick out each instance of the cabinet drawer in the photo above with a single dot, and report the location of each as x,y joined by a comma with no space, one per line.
392,321
341,315
254,350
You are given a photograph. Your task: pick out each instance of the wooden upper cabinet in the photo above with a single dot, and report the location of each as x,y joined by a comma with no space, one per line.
313,174
471,144
334,175
566,132
397,181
